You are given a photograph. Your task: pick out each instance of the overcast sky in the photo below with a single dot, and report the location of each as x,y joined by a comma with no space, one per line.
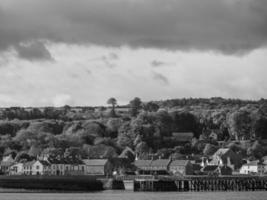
57,52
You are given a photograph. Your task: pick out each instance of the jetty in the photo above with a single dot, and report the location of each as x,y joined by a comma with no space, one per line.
195,183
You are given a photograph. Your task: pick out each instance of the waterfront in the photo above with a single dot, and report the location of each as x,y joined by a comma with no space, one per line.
121,195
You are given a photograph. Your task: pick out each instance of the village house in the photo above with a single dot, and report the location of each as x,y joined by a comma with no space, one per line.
6,163
225,170
27,167
226,156
65,166
254,167
98,167
16,169
182,167
160,165
40,167
142,166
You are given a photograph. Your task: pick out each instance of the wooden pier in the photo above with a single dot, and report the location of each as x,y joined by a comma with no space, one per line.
202,183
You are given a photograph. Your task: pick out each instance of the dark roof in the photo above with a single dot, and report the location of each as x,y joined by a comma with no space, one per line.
43,162
196,167
95,162
210,168
67,161
7,163
179,163
29,164
160,162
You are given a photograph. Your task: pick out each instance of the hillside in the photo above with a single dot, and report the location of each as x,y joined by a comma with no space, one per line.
147,128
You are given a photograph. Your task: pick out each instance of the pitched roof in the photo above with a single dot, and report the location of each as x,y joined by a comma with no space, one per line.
179,163
221,151
95,162
6,163
29,164
210,168
67,161
43,162
142,163
254,163
160,162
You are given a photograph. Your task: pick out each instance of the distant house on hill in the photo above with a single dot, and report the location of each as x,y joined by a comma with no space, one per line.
226,156
183,167
98,167
183,136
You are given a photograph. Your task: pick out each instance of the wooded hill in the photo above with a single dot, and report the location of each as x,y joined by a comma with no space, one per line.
144,127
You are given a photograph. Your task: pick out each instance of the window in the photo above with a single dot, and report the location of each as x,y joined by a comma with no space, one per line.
37,167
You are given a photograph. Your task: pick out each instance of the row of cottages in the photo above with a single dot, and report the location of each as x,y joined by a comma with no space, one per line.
61,167
164,166
66,166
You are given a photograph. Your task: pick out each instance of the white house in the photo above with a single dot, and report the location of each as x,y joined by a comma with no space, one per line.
27,167
16,169
252,167
40,167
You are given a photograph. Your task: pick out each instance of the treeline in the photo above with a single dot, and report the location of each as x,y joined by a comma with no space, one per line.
144,128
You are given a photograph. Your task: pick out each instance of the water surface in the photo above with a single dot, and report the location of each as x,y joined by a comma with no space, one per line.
125,195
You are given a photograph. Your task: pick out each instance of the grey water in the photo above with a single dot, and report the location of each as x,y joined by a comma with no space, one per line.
125,195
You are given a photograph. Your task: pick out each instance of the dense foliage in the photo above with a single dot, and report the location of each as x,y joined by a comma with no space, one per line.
145,128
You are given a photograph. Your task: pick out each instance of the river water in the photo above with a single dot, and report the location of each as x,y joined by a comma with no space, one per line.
125,195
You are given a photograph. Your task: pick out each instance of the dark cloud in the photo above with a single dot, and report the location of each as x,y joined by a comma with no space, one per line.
228,26
157,63
161,78
33,51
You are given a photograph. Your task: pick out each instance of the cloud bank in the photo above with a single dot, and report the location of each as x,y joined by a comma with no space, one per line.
228,26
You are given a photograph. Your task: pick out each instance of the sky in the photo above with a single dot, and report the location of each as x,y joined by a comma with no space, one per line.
82,52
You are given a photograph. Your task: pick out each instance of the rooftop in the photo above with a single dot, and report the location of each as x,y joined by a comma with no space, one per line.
95,162
179,162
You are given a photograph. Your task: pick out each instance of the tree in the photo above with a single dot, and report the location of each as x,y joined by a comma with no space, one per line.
239,123
150,106
113,102
135,106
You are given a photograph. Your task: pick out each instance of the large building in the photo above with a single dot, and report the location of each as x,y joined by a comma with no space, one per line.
98,167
